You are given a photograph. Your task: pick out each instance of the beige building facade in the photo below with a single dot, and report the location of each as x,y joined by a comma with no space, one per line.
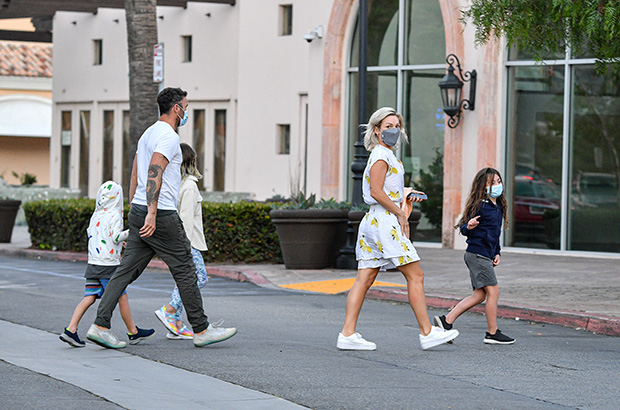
272,112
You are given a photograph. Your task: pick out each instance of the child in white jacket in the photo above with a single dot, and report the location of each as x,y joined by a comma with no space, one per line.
105,243
190,212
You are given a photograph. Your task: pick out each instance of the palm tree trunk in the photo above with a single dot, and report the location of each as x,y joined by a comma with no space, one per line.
141,37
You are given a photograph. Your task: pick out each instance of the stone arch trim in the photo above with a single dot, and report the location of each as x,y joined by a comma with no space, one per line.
333,88
453,138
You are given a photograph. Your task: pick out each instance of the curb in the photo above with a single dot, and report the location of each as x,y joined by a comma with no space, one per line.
600,324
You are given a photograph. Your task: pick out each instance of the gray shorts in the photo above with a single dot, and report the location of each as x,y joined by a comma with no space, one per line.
481,270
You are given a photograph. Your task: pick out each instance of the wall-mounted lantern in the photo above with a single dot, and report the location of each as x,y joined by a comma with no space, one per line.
451,87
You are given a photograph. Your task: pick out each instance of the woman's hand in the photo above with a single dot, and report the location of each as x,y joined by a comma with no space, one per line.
414,198
403,221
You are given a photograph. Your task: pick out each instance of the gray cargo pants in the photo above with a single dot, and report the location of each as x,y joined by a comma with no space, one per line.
170,243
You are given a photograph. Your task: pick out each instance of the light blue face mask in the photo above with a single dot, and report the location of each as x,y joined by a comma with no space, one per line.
185,117
390,136
495,191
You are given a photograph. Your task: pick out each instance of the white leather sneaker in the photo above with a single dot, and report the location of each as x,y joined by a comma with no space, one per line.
104,338
214,334
354,342
437,336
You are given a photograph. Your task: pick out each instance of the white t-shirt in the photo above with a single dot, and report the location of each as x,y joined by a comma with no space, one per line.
394,185
159,137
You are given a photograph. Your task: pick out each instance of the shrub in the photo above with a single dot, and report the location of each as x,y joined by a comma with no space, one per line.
59,224
239,232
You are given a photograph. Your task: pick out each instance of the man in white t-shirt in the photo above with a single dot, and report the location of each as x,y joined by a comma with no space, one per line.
155,227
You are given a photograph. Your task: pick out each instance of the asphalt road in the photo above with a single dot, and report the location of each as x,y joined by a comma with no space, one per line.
286,347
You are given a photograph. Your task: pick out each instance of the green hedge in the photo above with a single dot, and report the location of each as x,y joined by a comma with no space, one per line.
239,232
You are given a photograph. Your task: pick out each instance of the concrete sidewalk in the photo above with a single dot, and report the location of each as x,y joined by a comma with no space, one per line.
579,291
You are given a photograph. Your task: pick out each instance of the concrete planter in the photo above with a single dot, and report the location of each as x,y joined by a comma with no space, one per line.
8,212
310,238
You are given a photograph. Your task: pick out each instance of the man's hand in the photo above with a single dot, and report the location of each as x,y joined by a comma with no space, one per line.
148,229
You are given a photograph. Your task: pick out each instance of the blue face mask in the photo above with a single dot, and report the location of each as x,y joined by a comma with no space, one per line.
495,191
185,117
390,136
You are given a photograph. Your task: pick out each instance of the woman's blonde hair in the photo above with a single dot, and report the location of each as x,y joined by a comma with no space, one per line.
189,165
371,139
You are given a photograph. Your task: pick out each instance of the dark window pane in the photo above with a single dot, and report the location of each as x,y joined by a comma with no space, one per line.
534,155
219,151
594,214
423,156
108,145
84,150
65,149
198,143
425,41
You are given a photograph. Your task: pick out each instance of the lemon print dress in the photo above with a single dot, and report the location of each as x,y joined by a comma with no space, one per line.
380,241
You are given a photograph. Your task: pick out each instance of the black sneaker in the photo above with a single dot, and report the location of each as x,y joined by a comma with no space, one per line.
498,338
440,321
143,334
71,338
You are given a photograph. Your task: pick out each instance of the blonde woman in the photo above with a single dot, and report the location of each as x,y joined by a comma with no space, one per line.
383,239
190,212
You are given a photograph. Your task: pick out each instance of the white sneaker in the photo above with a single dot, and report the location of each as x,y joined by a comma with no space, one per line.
354,342
214,334
104,338
437,336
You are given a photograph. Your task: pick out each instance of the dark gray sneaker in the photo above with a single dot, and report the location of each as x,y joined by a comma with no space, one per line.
142,334
498,339
71,338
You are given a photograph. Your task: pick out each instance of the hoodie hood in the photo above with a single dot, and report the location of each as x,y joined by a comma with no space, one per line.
109,197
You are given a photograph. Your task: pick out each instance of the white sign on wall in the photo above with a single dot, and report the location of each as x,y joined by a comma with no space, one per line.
158,63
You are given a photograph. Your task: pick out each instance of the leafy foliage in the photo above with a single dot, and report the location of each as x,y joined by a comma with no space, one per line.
239,232
546,27
26,179
300,201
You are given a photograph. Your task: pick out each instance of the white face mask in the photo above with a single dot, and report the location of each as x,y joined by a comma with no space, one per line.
185,116
495,191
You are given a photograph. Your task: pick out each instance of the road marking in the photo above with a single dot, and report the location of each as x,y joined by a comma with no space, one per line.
333,286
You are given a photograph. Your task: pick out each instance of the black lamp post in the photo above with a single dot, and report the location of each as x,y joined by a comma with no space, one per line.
451,87
347,260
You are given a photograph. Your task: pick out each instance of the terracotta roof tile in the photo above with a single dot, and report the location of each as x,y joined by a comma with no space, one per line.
25,59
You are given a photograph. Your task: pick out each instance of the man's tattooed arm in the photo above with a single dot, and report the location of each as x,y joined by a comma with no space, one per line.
153,184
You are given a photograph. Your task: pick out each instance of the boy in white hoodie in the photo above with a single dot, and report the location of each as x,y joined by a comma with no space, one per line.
105,242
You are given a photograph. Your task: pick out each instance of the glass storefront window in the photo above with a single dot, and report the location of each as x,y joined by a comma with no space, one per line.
534,155
382,35
423,156
594,212
425,41
381,92
405,64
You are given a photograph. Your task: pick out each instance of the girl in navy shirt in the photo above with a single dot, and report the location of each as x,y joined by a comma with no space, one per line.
481,223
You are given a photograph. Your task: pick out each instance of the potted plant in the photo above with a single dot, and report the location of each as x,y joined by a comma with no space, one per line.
8,212
311,233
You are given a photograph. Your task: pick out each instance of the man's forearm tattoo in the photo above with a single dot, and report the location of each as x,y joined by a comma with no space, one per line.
152,183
